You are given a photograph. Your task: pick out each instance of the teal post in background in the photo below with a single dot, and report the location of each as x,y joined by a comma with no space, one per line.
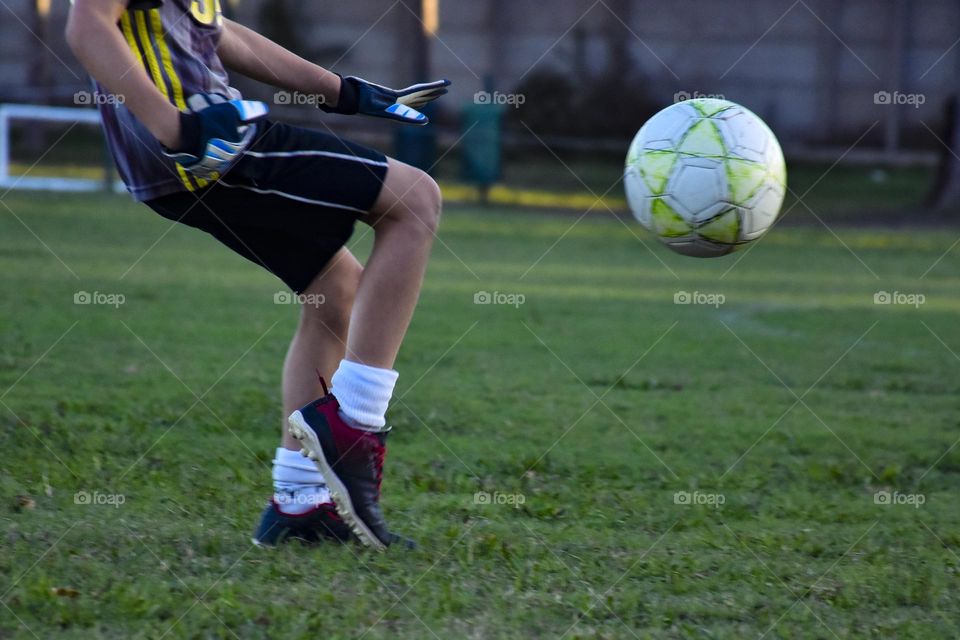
481,149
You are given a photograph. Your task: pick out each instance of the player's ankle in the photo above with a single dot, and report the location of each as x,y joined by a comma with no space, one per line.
363,393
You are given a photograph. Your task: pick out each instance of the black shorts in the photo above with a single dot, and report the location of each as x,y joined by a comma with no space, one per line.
289,204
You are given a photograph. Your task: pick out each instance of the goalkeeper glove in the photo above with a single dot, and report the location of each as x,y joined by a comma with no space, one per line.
360,96
215,133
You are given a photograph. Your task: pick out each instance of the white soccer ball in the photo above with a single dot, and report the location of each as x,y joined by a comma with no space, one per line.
706,176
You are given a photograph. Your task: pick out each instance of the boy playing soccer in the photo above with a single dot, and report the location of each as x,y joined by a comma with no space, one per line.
287,199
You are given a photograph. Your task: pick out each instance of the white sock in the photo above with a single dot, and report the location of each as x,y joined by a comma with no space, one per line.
364,394
298,486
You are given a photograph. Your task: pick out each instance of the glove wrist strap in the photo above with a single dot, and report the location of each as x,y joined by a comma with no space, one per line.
349,101
190,133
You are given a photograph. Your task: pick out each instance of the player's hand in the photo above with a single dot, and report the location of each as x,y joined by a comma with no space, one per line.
214,133
360,96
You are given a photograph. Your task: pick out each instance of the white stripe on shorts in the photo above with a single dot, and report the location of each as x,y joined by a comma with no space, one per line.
291,196
308,152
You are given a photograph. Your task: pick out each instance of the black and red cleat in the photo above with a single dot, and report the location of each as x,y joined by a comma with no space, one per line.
351,461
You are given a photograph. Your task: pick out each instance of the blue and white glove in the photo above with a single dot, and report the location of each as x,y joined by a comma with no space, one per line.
360,96
215,133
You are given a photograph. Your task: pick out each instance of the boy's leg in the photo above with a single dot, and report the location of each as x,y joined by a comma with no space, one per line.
345,433
318,346
320,341
404,219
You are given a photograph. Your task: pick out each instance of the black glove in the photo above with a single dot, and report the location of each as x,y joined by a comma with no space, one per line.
360,96
215,133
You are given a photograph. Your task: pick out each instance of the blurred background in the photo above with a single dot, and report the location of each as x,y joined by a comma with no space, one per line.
863,86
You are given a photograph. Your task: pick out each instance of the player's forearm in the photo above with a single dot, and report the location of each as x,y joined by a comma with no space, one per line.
95,40
255,56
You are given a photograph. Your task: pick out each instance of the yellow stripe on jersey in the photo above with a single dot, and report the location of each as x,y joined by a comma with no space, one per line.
185,178
126,25
127,28
156,25
158,68
152,62
165,58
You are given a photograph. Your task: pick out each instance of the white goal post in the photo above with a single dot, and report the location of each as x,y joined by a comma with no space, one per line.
44,113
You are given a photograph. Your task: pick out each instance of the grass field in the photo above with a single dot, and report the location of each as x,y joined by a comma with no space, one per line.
656,470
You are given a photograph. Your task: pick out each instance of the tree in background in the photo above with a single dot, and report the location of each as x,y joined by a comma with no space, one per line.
566,108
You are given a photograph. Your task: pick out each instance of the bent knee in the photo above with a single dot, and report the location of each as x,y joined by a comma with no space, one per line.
427,202
410,197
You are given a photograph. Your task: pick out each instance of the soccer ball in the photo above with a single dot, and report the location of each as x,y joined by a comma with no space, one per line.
706,176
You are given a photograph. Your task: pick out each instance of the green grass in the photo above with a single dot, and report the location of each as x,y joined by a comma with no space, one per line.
498,399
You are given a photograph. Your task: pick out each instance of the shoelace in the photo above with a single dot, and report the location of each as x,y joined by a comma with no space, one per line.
323,383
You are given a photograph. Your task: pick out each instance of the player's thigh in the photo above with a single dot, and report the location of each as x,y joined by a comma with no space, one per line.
408,196
295,241
311,167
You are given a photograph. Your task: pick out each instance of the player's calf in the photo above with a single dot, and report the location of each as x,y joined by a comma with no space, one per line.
327,303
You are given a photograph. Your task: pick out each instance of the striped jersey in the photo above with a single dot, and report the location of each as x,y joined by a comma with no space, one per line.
175,41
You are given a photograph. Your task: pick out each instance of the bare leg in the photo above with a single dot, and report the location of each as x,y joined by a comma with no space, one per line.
319,343
405,219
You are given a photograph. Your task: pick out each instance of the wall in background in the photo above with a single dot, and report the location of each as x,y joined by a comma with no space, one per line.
811,67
